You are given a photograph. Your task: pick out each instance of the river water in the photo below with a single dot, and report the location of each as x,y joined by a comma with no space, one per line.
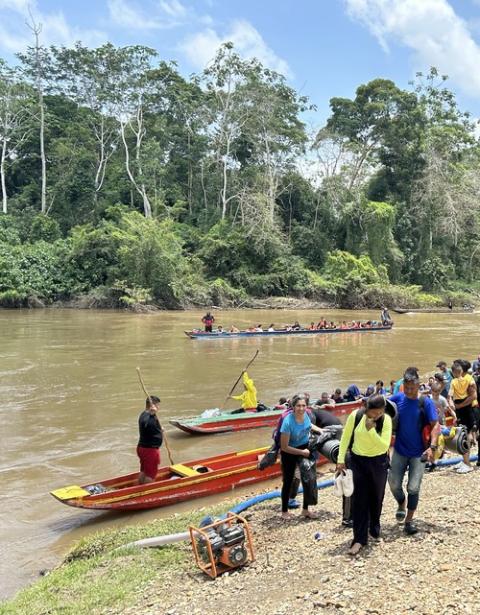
70,398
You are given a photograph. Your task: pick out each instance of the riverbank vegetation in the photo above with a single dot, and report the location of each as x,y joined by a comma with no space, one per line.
98,576
125,184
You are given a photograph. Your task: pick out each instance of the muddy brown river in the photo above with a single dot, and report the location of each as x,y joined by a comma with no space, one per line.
70,398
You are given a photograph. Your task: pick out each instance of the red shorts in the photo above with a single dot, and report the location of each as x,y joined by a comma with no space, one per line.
149,460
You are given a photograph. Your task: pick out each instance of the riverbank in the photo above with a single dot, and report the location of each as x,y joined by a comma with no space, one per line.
401,299
432,572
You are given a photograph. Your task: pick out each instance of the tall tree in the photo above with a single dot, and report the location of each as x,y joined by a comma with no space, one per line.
133,90
15,111
89,78
36,63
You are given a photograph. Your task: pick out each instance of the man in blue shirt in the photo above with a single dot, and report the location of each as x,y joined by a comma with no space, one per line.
409,449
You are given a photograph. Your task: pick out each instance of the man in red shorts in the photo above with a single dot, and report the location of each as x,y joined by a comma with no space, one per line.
150,440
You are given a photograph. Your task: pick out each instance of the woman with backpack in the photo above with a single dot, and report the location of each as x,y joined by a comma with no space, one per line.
367,435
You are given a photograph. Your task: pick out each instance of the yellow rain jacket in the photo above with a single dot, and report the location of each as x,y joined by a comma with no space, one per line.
249,396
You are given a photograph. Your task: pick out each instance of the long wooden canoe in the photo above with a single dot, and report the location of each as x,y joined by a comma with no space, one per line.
226,422
196,334
173,484
438,310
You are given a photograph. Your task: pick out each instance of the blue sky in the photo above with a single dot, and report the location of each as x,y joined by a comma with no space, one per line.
325,47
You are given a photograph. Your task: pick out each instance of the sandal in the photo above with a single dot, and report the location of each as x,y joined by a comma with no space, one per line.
400,514
310,515
355,549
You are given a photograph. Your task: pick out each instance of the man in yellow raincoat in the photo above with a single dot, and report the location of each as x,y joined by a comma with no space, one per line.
249,395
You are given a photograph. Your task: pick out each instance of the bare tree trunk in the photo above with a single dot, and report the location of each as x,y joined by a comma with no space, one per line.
202,180
225,180
42,153
2,174
190,175
101,164
140,188
36,29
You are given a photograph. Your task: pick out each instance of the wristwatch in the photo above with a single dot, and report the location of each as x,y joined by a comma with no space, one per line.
433,447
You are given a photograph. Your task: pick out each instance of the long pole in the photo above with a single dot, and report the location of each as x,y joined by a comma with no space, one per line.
150,402
238,379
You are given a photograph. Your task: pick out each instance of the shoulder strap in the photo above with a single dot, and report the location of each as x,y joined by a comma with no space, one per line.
423,412
358,417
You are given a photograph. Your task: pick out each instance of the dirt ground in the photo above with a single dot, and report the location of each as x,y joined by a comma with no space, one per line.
434,572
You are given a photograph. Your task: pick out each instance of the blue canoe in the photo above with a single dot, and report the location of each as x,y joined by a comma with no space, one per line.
215,335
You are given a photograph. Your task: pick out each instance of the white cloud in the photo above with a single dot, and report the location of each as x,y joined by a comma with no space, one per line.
174,8
159,16
200,48
431,28
55,30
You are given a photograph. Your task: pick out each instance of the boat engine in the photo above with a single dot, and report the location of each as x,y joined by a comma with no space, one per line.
222,545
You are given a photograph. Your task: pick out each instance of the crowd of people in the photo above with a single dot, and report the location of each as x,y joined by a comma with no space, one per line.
385,320
420,409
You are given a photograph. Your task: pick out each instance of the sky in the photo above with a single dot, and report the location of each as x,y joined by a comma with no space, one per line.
325,48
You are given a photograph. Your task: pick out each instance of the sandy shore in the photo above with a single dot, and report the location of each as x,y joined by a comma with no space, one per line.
434,572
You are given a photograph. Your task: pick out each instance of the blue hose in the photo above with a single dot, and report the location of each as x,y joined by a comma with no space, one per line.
263,497
257,499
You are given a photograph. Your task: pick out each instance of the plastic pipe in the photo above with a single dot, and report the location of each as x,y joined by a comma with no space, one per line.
159,541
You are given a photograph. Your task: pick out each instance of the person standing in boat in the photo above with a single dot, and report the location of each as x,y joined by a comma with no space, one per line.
150,441
385,316
208,321
248,397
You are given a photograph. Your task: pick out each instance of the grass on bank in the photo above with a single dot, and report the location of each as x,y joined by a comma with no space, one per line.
96,578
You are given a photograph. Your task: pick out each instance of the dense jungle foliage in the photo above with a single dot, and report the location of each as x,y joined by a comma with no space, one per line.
125,182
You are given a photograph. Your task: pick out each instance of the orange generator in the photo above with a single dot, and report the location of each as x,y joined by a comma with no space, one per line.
222,545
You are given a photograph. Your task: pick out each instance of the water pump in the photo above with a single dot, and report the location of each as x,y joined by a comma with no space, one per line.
222,545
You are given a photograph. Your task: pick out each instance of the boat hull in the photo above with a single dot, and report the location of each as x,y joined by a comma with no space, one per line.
446,310
249,420
125,494
225,335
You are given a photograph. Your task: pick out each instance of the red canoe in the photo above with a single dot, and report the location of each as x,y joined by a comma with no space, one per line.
226,422
174,484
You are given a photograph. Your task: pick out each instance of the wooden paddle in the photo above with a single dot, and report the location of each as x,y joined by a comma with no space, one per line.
239,378
150,401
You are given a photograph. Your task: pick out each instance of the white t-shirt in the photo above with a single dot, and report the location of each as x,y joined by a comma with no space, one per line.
441,405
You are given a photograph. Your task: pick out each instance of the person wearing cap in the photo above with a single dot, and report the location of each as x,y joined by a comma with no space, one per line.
368,441
409,452
447,376
150,440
